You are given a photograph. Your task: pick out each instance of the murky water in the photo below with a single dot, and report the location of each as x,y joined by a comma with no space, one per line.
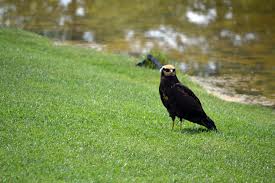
228,44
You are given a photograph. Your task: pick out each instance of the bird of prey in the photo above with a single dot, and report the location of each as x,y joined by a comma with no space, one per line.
180,101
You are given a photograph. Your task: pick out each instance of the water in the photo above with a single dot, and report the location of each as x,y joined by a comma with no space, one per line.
225,44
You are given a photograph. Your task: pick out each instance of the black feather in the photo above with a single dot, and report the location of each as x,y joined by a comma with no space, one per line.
209,123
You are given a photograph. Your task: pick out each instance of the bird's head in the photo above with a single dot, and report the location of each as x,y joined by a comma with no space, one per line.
168,70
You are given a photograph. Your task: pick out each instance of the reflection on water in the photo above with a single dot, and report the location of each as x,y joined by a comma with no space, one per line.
201,19
227,41
166,37
237,39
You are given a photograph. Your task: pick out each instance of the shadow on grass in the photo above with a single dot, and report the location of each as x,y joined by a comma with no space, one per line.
194,130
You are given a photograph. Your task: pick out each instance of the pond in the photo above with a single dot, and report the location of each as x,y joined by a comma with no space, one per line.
228,46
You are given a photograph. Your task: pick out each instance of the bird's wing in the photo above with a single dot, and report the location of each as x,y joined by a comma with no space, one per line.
180,89
183,100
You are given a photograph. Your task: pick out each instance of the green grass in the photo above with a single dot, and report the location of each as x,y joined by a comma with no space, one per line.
73,114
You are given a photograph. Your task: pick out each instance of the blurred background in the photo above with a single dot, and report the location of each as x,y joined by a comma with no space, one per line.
228,46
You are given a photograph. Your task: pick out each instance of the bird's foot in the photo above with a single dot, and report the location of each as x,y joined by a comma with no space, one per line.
181,122
173,124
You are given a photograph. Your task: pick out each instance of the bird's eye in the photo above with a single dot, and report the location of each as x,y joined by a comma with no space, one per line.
168,70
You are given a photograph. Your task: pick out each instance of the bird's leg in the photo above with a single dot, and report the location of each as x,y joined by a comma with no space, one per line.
181,121
173,124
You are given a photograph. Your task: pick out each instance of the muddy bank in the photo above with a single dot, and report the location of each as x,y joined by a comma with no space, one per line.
227,93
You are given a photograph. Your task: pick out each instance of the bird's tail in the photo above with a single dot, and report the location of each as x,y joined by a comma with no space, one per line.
209,123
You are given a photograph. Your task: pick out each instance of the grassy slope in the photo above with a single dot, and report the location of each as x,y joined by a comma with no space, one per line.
74,114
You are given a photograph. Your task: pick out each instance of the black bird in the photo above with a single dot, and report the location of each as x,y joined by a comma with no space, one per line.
180,101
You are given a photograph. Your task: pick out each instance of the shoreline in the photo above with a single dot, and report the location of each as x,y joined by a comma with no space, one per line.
230,95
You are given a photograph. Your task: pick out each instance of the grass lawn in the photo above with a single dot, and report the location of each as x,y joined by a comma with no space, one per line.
73,114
